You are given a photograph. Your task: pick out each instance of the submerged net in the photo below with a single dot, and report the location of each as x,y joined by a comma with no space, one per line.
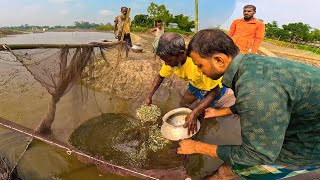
59,69
57,87
88,97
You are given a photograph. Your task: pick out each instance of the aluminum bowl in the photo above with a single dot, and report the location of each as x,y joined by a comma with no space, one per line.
173,121
137,47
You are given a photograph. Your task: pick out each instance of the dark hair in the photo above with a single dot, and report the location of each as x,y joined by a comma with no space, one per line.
123,8
159,21
170,44
210,41
250,6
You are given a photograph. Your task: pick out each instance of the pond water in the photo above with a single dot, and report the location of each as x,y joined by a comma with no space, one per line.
23,100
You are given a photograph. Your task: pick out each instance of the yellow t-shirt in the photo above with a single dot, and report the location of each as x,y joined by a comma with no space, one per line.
189,72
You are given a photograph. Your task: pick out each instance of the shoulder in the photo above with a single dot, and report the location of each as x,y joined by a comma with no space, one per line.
258,22
237,20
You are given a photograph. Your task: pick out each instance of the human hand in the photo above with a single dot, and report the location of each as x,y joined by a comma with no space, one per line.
187,147
191,123
211,112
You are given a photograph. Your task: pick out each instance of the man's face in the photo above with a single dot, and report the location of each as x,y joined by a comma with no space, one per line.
173,61
248,13
209,67
124,11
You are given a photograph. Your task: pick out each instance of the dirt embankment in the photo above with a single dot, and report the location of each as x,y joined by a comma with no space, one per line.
8,32
133,76
293,54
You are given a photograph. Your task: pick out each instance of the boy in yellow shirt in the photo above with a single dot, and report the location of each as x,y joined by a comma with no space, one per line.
171,49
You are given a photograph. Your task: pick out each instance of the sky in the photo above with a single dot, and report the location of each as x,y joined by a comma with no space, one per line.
212,13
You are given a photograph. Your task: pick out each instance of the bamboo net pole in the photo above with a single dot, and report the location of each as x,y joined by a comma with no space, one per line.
34,46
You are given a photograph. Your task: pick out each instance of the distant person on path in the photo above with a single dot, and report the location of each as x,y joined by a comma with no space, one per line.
159,31
248,32
121,25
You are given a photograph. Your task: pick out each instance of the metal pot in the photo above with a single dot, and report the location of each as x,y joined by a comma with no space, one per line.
173,121
137,47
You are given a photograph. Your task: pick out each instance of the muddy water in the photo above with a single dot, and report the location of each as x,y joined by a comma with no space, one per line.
24,101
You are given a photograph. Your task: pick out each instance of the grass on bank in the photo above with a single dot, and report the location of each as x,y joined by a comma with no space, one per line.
313,49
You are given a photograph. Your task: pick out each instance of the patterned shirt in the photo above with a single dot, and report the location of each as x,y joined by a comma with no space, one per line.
279,106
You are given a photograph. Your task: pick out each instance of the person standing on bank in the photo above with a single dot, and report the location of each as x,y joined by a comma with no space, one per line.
159,31
120,25
248,32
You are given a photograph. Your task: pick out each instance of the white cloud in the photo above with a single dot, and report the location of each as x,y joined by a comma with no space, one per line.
106,12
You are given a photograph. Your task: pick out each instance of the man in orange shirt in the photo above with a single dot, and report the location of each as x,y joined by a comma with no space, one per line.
248,32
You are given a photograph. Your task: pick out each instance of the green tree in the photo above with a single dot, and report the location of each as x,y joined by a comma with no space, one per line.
159,12
273,31
142,20
85,25
298,31
183,22
153,10
315,35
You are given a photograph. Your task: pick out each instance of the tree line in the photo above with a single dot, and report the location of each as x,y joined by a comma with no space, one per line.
77,25
293,32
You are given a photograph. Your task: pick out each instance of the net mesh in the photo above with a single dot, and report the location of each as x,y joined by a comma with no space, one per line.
59,87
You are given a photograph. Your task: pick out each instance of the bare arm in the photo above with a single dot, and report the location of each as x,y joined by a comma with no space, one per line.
258,38
204,103
211,112
190,147
152,30
232,29
155,85
115,28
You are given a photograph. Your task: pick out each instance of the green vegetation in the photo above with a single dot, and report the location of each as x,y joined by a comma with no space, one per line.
160,12
313,49
179,31
140,29
294,35
77,25
105,28
309,48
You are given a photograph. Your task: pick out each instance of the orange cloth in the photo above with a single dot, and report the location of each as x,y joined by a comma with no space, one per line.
247,35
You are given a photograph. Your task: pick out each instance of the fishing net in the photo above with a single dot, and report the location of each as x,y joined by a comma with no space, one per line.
58,69
83,99
51,92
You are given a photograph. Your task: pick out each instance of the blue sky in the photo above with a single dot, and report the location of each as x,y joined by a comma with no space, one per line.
211,12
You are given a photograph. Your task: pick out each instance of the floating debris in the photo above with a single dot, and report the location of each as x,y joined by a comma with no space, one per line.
118,140
148,113
156,141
